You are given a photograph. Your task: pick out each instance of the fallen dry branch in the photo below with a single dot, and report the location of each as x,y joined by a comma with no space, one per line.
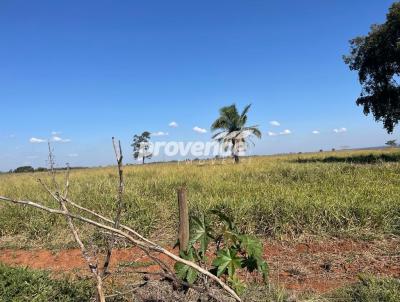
92,263
142,244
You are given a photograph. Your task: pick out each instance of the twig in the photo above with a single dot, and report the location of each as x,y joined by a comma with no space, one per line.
160,263
139,243
132,232
134,288
66,188
111,243
126,228
91,264
51,164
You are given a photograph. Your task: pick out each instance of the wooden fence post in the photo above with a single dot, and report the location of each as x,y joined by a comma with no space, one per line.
183,220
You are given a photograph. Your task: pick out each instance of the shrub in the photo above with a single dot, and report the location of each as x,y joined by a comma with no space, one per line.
234,250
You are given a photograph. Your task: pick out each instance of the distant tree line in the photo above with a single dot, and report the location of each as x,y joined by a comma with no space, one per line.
30,169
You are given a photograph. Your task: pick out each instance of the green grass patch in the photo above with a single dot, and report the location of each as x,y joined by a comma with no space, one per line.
21,284
356,194
369,289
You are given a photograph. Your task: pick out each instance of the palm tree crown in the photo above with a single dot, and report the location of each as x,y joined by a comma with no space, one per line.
233,129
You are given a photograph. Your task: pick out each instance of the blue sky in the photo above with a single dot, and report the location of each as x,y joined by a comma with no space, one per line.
90,70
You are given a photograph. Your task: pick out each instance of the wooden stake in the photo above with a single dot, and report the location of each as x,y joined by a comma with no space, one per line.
183,220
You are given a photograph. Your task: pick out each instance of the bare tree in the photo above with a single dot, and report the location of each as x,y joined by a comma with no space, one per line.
118,157
61,198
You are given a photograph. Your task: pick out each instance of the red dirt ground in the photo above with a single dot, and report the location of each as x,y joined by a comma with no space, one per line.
309,266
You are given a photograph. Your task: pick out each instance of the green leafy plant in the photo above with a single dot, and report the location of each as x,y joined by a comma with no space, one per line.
233,250
186,272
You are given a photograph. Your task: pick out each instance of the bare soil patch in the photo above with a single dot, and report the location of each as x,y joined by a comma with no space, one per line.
315,266
321,266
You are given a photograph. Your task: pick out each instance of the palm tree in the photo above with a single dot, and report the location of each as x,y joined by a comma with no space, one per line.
234,131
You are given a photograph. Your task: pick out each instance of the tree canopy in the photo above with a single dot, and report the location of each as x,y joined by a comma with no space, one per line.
24,169
141,146
376,57
391,143
233,128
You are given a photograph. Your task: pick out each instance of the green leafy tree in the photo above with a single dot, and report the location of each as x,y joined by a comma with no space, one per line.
141,146
233,130
376,57
391,143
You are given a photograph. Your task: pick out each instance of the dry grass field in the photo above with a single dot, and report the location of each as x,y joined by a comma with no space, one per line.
324,218
352,194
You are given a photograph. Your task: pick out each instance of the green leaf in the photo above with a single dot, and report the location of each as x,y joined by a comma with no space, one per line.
254,261
227,260
181,270
200,232
237,285
251,245
184,271
229,231
250,263
191,276
263,268
230,237
225,219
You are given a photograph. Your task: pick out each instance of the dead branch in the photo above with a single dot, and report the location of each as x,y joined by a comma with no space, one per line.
139,243
66,187
115,230
92,264
111,243
51,163
134,287
126,228
61,199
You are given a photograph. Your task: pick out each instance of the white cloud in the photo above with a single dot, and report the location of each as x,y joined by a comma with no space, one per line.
285,132
73,155
340,130
55,132
199,130
274,123
159,133
60,140
35,140
173,124
315,132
